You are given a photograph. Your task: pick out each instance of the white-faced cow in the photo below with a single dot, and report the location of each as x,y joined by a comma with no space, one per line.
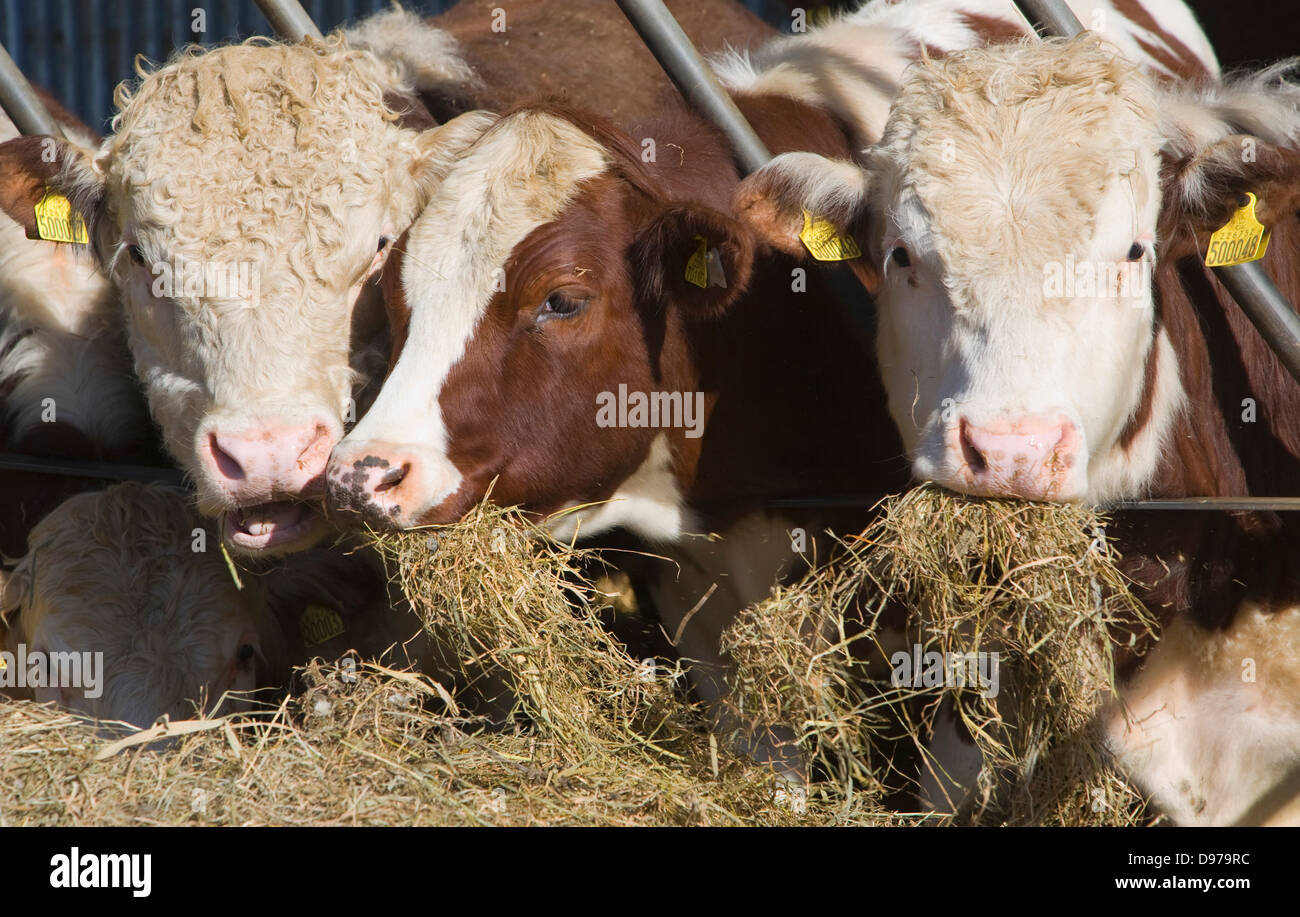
123,607
247,195
117,612
1035,220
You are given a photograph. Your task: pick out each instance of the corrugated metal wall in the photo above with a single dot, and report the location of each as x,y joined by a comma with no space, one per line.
80,49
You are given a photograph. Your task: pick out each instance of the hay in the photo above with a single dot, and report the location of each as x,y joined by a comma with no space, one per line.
1036,583
590,736
359,747
529,712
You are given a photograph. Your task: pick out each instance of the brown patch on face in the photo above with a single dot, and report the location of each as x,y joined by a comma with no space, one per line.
394,294
520,405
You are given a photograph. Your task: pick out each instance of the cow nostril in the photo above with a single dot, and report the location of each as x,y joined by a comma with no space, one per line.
392,477
227,465
245,655
974,459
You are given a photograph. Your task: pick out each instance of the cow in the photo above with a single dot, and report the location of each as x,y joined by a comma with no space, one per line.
1049,330
66,386
132,574
544,291
121,612
249,193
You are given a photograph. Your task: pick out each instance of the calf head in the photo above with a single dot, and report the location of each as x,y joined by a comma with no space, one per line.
245,197
1008,216
122,573
546,276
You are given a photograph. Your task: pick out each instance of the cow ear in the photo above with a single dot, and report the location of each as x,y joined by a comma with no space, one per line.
437,149
1206,187
31,166
15,592
695,259
772,202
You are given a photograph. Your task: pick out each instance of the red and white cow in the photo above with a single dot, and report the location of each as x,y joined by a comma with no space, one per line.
544,292
249,193
1035,219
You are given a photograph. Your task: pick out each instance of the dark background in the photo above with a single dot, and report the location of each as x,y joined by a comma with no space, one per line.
81,49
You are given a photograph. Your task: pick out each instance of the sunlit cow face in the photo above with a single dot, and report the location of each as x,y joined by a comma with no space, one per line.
1009,217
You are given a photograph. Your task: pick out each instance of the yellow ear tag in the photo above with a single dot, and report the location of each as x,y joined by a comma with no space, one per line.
319,623
56,221
824,243
697,268
1242,239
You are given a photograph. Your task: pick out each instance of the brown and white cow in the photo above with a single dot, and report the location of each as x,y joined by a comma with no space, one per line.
1035,219
544,290
248,194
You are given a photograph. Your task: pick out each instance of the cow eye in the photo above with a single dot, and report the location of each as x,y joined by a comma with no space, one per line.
137,255
558,305
245,653
900,256
1136,251
383,243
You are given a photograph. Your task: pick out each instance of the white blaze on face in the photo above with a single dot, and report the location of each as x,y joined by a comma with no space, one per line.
519,175
1013,187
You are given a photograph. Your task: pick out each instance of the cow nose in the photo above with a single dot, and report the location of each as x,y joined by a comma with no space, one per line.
1028,457
270,459
387,484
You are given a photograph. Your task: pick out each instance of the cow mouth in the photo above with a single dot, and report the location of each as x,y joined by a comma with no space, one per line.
282,525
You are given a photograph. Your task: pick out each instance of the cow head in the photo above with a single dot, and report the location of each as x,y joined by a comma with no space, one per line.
1008,217
546,276
115,573
245,198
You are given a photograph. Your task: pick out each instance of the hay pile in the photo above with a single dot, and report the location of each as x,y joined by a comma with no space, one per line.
589,735
939,573
528,712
